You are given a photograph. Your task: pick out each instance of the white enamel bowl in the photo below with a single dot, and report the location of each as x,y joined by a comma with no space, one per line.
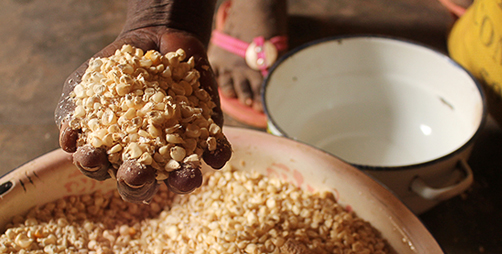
403,113
53,176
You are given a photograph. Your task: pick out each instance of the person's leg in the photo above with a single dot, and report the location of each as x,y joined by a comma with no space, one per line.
246,20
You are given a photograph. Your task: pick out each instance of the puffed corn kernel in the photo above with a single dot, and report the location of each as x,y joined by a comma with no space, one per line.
178,153
148,98
172,165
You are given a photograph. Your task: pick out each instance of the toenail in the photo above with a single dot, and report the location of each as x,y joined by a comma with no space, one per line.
248,102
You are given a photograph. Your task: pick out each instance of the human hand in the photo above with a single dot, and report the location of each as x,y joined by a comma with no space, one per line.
137,182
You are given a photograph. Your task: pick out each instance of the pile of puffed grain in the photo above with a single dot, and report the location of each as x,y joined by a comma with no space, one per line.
145,106
233,212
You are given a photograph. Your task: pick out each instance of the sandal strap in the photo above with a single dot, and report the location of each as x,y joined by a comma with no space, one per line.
229,43
259,54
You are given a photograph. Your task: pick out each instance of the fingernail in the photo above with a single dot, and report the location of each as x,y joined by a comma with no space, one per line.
219,157
248,101
68,139
184,180
136,182
92,162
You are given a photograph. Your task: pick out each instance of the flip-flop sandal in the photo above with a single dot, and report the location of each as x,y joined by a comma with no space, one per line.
260,54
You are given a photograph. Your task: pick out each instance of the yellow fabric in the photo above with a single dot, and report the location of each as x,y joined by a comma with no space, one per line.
475,42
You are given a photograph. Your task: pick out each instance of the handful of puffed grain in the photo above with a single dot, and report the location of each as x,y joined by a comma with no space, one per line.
150,114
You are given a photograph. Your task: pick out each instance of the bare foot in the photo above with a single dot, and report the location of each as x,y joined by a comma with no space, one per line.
246,20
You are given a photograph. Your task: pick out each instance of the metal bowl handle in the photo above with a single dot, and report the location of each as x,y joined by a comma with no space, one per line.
439,194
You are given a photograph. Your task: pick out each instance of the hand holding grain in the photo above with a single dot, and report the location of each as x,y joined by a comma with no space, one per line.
144,118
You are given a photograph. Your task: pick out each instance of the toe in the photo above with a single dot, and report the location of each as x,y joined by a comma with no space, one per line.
242,88
257,104
256,81
226,84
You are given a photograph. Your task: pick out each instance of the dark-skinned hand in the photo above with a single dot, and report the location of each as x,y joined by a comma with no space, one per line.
136,182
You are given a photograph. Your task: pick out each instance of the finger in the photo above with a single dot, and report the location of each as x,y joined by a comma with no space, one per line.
217,116
92,162
217,158
207,79
68,137
184,180
136,182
